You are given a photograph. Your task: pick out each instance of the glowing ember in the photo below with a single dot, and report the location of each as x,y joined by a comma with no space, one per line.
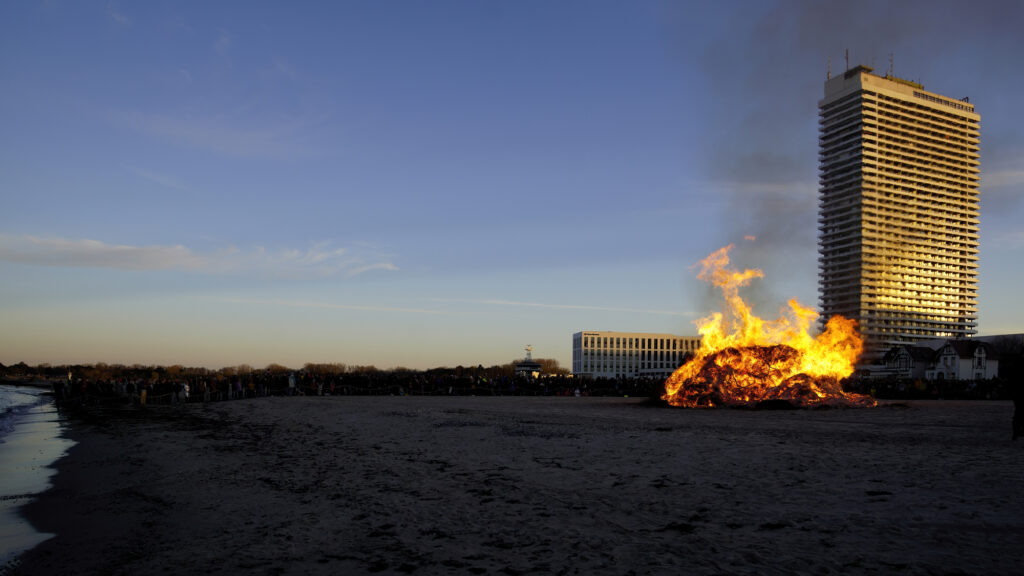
744,360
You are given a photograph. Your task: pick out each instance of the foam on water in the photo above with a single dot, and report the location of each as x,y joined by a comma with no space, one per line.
16,401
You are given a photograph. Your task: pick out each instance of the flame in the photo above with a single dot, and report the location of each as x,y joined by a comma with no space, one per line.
744,359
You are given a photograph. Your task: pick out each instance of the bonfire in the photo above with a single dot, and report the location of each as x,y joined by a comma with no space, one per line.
745,360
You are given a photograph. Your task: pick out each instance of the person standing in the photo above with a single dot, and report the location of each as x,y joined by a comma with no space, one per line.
1018,410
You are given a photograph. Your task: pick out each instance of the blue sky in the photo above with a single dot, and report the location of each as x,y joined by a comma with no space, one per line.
439,183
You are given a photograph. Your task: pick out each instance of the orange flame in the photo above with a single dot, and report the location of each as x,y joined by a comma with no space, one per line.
744,359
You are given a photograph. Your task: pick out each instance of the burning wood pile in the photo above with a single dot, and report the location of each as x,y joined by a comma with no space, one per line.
745,360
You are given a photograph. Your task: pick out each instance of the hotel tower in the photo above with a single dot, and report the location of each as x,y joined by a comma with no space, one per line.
898,210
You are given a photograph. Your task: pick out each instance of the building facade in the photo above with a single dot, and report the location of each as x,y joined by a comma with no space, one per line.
898,210
964,360
630,354
910,362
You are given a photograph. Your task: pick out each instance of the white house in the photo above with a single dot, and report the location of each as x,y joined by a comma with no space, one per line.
964,360
971,359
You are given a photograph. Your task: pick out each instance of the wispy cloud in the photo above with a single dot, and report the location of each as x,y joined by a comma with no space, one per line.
370,267
325,305
321,259
1005,241
496,302
115,15
87,253
179,23
1002,178
222,46
1001,188
160,179
216,134
278,67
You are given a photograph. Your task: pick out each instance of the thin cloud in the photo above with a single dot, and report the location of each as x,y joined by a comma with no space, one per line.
325,305
214,134
85,253
494,302
159,179
1002,178
370,267
320,259
115,15
279,67
1008,241
179,23
1001,190
222,46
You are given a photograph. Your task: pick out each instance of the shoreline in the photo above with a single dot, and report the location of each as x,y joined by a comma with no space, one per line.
36,441
398,485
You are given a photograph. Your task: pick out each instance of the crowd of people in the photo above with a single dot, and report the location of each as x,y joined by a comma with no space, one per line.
219,388
179,387
920,389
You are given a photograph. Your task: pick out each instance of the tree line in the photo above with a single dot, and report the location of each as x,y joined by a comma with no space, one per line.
103,371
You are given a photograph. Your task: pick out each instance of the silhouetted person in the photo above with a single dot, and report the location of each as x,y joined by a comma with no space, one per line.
1018,410
58,392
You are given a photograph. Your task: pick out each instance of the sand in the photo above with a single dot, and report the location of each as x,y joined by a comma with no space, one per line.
427,485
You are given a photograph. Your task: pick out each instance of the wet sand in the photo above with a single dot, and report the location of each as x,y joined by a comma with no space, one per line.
426,485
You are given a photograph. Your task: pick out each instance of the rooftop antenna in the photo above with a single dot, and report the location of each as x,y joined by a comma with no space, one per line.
847,59
890,64
828,71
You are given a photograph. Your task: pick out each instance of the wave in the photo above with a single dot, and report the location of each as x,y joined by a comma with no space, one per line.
16,401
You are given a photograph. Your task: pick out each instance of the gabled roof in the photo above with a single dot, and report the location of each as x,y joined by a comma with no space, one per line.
964,348
917,353
967,348
921,353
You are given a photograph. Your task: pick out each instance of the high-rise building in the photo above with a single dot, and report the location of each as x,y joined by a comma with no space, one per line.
898,211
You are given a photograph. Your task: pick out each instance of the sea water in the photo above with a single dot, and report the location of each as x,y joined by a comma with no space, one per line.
30,442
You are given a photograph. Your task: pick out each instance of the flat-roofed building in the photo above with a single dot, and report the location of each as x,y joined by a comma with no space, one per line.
630,354
899,210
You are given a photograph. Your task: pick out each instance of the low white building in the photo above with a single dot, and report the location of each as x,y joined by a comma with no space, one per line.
964,360
602,354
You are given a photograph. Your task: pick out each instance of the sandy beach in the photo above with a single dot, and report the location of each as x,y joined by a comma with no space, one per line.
464,485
